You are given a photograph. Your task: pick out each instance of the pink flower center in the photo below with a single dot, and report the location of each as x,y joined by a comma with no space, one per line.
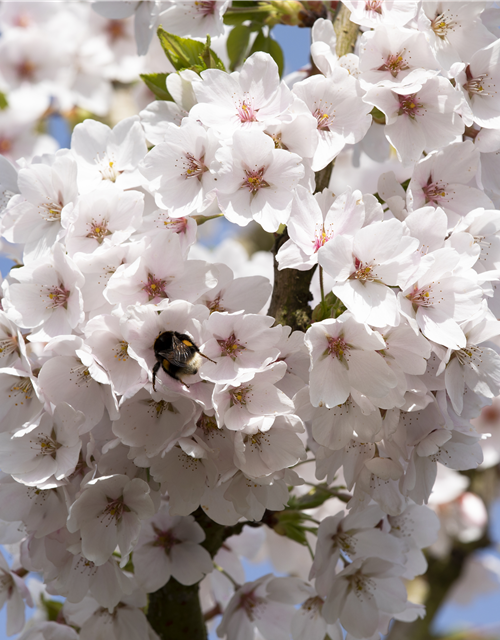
395,63
319,241
409,105
58,297
5,146
176,225
490,414
230,347
51,211
121,351
208,424
250,603
215,304
155,288
363,272
433,191
195,168
421,297
321,238
476,85
26,70
23,20
98,231
443,23
374,5
239,396
48,447
246,112
205,7
8,346
255,180
114,509
116,30
337,348
165,539
324,119
107,169
23,387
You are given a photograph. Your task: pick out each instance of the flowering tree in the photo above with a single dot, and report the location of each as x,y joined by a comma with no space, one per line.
164,414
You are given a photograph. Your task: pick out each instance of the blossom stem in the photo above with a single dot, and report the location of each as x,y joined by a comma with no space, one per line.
202,219
303,462
225,573
310,549
321,286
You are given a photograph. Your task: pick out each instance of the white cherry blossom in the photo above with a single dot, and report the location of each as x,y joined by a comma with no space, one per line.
418,120
108,514
170,546
343,357
256,180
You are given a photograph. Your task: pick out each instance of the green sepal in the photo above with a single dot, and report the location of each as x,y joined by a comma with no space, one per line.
157,83
4,103
378,115
185,53
237,45
210,59
330,307
290,524
52,608
312,499
270,46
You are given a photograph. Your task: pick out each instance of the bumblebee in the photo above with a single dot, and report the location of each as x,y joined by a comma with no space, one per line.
177,355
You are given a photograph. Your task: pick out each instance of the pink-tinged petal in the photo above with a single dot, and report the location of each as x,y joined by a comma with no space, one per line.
438,327
336,258
370,302
455,383
98,540
369,374
329,384
407,137
190,562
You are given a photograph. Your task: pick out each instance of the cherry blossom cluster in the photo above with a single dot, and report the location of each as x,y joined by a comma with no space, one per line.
103,470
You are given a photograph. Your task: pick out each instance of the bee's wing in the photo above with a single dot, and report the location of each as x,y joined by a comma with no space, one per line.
179,354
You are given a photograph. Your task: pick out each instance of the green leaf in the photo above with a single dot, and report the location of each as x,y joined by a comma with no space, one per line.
270,46
4,103
237,45
185,53
157,83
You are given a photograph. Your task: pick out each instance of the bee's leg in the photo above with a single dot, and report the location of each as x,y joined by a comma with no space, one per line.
180,380
155,371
